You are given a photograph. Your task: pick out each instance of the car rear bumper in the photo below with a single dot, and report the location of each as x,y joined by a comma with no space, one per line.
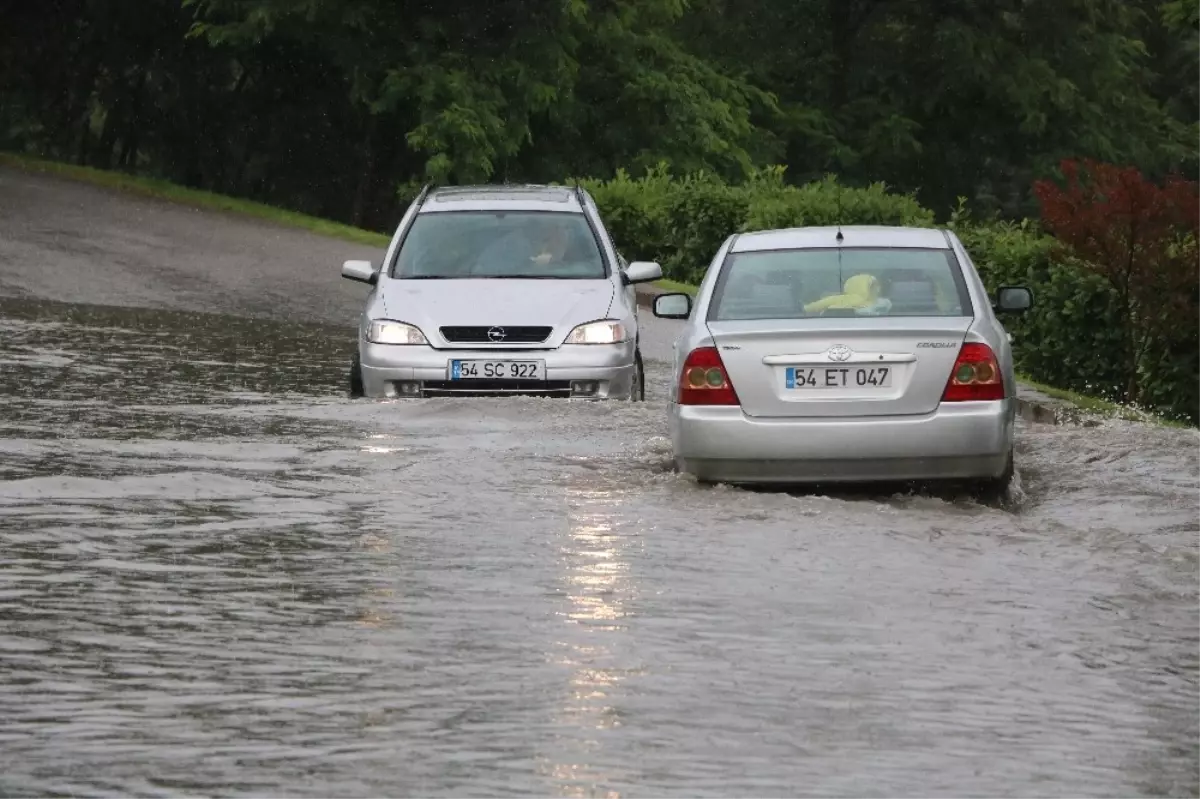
609,369
957,441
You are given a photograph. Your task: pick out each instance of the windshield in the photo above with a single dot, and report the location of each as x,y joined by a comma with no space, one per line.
500,244
846,281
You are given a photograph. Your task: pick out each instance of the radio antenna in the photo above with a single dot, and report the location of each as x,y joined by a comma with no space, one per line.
840,237
839,212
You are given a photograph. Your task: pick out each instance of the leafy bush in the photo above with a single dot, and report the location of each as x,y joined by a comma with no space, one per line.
829,203
682,221
1072,337
700,214
1140,239
635,211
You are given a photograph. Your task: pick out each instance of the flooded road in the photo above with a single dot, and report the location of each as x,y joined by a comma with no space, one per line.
222,577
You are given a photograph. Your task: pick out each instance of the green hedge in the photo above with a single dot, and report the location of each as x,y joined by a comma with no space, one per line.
1072,339
682,221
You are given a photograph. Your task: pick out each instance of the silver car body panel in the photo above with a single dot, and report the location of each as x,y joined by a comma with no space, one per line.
433,304
904,433
560,304
957,441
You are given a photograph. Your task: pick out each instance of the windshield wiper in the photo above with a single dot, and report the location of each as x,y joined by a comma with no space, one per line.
429,277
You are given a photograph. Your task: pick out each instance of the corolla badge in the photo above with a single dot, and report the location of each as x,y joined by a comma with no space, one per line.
496,334
839,352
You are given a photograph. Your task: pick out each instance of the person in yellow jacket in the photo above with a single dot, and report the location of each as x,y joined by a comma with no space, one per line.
860,293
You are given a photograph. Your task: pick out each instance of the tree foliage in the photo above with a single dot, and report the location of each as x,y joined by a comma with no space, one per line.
327,105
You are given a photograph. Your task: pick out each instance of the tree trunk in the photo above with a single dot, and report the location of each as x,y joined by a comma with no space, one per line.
133,125
1133,361
366,178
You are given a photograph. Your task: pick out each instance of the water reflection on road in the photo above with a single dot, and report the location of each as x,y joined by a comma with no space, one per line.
221,576
596,643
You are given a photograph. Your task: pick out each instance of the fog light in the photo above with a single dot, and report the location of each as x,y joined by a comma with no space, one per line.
409,388
584,388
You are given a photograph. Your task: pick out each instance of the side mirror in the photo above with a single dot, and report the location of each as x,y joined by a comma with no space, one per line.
362,271
673,306
641,272
1013,299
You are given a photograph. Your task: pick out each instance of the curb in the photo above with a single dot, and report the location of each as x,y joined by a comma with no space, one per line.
1035,407
1032,405
1037,413
645,293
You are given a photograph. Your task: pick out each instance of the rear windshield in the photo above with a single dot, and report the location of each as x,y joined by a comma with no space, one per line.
845,281
500,244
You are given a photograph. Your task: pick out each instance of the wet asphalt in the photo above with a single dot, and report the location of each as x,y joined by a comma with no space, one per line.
220,576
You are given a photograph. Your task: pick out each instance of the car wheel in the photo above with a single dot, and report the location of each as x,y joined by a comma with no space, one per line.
356,379
995,489
637,391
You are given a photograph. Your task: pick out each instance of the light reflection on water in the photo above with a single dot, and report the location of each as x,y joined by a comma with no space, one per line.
600,592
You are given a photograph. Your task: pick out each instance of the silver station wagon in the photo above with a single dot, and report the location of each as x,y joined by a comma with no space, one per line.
500,290
865,353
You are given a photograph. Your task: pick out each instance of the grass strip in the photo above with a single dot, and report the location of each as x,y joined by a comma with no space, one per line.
162,190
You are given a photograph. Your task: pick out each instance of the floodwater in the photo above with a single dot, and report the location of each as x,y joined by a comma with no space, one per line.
219,576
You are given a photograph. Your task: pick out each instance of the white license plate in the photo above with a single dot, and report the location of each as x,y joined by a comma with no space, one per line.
497,370
815,377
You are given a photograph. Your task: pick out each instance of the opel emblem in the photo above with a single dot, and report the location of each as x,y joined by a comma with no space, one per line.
496,334
839,352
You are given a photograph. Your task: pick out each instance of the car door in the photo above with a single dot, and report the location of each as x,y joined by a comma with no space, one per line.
630,292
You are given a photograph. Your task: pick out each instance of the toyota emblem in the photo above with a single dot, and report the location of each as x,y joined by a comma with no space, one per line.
839,352
496,334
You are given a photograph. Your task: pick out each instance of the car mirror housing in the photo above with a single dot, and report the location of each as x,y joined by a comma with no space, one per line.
1013,299
361,271
673,306
642,272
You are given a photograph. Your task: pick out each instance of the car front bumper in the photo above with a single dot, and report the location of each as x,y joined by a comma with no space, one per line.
957,441
586,371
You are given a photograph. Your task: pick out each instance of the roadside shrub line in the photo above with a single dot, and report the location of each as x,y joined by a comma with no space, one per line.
1072,340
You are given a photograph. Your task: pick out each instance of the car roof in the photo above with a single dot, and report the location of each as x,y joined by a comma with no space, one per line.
523,197
852,236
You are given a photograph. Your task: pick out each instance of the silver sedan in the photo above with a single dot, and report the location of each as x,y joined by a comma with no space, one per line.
846,354
500,290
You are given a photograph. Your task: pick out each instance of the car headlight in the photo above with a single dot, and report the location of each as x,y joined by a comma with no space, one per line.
383,331
597,333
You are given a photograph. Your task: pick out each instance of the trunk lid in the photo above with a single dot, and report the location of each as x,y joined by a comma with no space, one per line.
889,366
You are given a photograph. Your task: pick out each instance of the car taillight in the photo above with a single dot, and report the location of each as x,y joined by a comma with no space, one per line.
976,376
704,381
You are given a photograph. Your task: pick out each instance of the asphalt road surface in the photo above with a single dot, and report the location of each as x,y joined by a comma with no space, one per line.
221,576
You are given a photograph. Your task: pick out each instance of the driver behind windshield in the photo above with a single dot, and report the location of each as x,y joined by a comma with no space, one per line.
551,248
530,249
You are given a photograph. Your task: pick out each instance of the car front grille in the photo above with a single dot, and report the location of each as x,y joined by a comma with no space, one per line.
492,335
497,388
